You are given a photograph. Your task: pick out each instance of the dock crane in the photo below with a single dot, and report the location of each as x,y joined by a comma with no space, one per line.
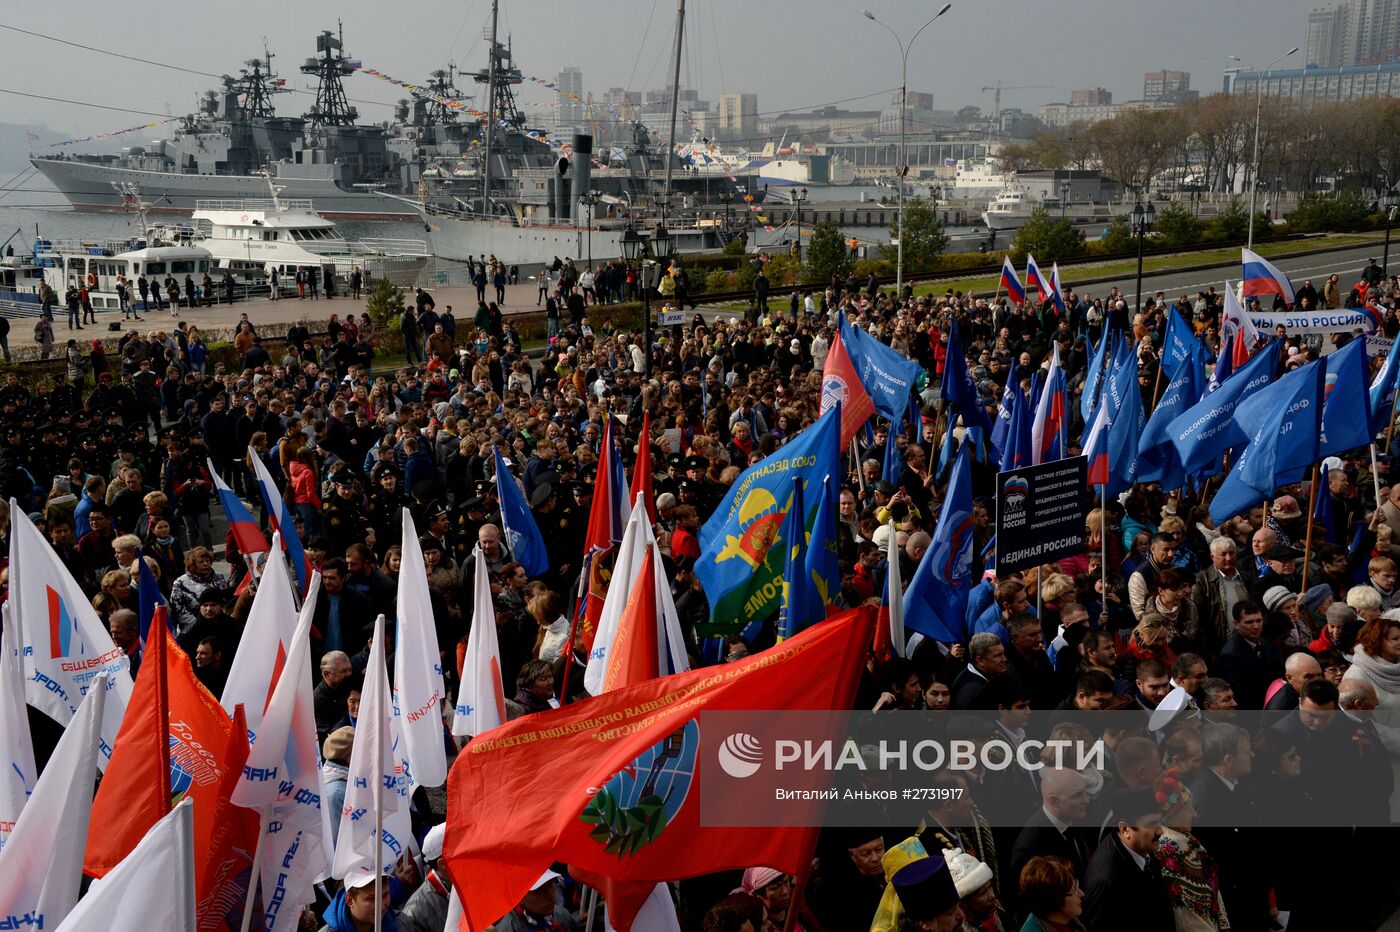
996,100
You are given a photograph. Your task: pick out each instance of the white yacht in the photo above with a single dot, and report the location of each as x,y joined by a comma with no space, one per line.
98,265
252,236
977,180
1012,207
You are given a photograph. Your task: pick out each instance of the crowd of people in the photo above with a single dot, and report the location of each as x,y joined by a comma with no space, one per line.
1215,614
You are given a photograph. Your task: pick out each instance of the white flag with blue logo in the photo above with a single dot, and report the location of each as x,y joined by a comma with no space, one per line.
418,686
17,770
64,643
376,780
41,868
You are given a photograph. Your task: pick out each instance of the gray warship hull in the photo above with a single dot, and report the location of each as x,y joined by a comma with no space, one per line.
91,185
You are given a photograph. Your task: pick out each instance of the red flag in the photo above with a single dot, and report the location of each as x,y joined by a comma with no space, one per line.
598,542
841,383
523,795
201,758
634,655
641,471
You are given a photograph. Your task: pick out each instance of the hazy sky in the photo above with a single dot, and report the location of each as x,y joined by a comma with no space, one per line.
792,53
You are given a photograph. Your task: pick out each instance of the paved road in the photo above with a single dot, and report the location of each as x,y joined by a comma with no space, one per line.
1348,264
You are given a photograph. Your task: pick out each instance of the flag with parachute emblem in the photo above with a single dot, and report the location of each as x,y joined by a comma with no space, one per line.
739,566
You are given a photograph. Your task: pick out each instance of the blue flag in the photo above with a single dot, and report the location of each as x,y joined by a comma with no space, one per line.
888,376
1286,418
1346,420
1382,390
1180,342
802,605
1003,419
1323,515
148,597
741,571
894,461
1204,431
1158,460
936,601
522,535
1016,451
958,388
1097,361
823,552
1125,425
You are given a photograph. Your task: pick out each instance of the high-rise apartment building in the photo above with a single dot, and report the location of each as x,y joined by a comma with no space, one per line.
1353,32
1323,46
1090,97
737,115
569,83
1166,85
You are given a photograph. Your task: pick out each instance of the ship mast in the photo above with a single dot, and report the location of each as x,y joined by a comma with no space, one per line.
675,102
331,107
490,114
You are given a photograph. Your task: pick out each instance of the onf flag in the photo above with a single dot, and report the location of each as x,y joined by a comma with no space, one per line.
17,770
739,567
888,376
64,644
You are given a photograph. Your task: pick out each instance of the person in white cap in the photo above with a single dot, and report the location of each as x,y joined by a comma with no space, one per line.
352,910
976,892
539,910
426,909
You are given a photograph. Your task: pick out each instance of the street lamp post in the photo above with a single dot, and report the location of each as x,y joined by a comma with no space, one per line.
1143,219
1258,113
591,199
662,245
1391,202
798,196
903,111
633,244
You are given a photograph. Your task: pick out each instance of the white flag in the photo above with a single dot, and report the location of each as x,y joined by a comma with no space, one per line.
151,889
895,587
64,643
376,782
481,701
17,771
630,553
636,540
41,867
418,686
266,643
658,913
276,639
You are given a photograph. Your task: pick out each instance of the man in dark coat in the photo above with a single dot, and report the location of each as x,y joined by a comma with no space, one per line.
1225,824
1123,888
1247,661
1051,830
341,612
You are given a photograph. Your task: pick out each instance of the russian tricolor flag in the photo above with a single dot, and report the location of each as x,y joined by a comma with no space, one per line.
245,529
1014,289
1057,293
1035,277
1262,278
1048,428
1096,445
279,517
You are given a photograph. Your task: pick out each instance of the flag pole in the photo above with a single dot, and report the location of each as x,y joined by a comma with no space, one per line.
1103,547
804,872
255,871
855,458
1390,428
1375,475
381,714
1307,546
